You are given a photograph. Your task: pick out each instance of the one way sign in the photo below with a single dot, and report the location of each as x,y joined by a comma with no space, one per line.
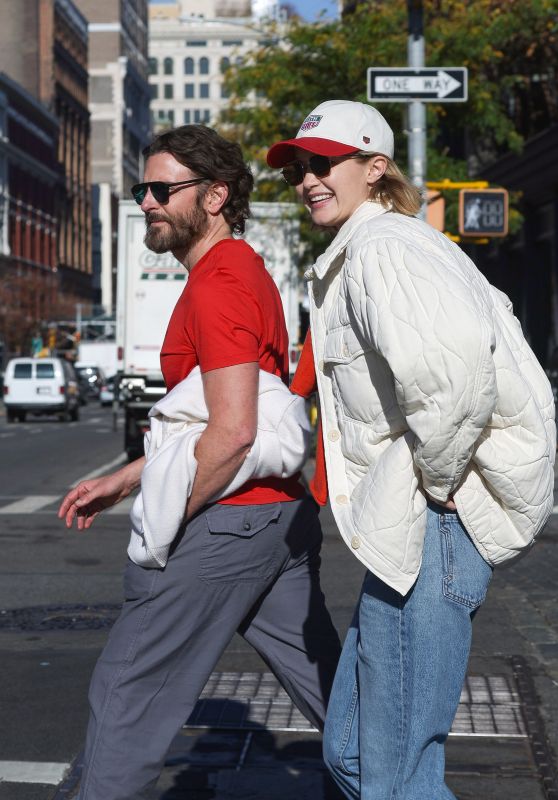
401,84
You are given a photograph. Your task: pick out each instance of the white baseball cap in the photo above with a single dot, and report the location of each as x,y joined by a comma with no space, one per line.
337,128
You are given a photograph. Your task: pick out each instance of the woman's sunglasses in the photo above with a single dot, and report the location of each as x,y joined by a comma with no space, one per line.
320,166
159,189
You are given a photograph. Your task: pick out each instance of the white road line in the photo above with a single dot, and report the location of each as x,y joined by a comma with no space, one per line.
120,459
32,772
27,505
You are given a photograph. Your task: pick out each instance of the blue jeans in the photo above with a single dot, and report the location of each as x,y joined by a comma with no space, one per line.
403,665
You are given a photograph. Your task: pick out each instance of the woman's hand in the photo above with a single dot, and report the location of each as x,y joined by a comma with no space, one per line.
449,504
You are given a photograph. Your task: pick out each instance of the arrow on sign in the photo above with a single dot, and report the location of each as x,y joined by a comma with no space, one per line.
440,84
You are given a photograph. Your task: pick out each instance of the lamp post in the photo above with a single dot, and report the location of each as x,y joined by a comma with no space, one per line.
416,108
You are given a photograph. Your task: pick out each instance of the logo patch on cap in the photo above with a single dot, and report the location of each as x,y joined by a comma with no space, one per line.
366,139
310,122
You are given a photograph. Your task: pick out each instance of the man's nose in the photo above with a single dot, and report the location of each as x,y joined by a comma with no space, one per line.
149,203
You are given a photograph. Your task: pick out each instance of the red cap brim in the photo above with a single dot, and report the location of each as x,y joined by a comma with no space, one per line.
284,152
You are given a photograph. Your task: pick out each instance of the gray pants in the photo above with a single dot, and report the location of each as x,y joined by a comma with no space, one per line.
251,569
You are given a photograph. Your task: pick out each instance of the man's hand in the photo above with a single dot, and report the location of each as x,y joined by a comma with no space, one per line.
89,498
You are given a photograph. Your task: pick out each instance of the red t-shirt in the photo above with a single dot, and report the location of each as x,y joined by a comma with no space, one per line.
230,313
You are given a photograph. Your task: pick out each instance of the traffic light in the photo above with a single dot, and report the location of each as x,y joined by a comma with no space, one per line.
483,212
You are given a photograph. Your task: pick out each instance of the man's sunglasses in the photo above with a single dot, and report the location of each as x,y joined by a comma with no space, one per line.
159,189
320,166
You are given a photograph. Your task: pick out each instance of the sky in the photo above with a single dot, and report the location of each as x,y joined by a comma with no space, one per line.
309,9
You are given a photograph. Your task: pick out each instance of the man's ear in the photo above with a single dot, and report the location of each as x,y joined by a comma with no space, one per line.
216,197
376,168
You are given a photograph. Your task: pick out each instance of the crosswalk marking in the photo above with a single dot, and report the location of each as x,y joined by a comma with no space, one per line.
32,772
29,504
48,504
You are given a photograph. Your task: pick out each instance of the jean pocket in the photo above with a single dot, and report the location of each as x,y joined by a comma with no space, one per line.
466,573
240,543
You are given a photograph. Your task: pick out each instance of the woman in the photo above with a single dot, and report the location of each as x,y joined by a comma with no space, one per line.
439,446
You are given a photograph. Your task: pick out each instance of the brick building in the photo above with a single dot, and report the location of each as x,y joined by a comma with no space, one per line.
30,187
43,48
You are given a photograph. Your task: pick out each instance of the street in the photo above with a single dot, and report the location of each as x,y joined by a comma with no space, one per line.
60,590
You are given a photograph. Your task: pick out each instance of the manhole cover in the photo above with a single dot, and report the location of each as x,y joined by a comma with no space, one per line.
52,618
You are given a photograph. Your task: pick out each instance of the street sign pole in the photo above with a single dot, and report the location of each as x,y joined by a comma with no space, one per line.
416,108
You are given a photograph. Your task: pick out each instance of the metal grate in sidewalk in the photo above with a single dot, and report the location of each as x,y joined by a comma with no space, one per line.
490,706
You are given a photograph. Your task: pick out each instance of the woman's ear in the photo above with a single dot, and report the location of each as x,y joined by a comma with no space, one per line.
216,197
376,168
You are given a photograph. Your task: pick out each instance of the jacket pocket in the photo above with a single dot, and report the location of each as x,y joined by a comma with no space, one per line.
240,543
466,573
341,346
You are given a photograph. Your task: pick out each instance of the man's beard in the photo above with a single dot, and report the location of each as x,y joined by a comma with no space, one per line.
181,231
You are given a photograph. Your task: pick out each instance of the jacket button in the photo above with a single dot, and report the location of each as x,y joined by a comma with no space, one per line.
247,526
333,436
342,499
355,542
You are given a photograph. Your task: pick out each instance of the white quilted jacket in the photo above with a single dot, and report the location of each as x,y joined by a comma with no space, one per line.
425,382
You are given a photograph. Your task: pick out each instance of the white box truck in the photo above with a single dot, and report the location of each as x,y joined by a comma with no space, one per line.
97,353
149,286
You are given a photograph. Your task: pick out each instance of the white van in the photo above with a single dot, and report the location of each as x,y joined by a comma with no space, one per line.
40,386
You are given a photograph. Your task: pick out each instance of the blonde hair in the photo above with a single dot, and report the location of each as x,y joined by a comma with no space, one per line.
394,190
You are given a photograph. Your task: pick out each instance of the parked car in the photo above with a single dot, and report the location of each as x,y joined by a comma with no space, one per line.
92,375
40,386
106,391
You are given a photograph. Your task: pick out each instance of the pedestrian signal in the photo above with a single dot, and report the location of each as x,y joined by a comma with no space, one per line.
483,212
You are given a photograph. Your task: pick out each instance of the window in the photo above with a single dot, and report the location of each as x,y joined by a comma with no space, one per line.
22,371
204,66
168,90
201,115
152,66
153,91
188,66
188,91
225,64
45,370
204,90
168,66
224,92
196,43
232,42
187,117
165,116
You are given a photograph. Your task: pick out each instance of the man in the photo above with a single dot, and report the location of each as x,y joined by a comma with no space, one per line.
249,562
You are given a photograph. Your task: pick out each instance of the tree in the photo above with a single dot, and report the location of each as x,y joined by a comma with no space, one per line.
509,47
